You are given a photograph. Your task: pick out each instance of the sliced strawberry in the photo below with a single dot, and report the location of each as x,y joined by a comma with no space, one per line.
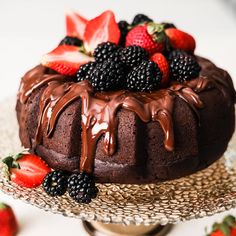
26,170
75,25
65,59
101,29
181,40
163,64
8,223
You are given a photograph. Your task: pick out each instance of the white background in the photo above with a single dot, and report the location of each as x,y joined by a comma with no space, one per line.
30,28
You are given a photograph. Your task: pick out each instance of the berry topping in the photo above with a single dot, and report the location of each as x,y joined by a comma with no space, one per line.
73,41
75,25
101,29
168,25
104,51
141,18
133,55
81,187
124,29
8,223
183,66
145,77
163,64
55,183
65,59
26,170
108,75
151,37
181,40
85,71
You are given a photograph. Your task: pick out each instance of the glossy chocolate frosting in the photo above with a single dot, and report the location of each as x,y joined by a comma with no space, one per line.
99,110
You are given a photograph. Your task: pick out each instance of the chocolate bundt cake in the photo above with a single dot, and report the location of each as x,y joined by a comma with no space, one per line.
110,117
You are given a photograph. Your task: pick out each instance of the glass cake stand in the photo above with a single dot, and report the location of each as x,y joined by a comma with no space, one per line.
125,209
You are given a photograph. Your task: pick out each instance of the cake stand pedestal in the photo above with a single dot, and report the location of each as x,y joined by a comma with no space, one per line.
100,229
128,208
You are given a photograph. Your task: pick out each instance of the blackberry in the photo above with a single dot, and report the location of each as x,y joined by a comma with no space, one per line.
124,29
55,183
81,187
108,75
84,72
133,55
73,41
145,77
183,66
104,51
141,18
168,25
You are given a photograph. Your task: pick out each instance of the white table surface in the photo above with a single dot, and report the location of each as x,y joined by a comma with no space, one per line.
29,28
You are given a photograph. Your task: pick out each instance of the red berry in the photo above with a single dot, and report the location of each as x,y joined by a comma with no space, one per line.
101,29
150,36
163,64
233,232
75,25
26,170
181,40
217,233
8,223
65,59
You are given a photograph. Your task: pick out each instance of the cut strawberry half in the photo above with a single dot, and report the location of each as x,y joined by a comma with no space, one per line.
75,25
26,170
101,29
65,59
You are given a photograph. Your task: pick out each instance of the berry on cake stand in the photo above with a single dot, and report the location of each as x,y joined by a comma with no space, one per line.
141,67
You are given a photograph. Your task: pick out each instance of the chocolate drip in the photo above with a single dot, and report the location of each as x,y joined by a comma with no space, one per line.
99,110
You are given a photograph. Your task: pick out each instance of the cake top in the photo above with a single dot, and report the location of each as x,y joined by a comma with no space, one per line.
143,56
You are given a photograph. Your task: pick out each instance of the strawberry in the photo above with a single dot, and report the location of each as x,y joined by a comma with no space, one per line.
150,36
26,170
101,29
217,233
233,231
75,25
65,59
8,223
181,40
163,64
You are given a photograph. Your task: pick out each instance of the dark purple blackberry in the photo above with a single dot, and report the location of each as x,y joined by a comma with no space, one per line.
73,41
183,66
168,25
124,29
81,187
104,51
133,55
55,183
108,75
85,71
145,77
141,18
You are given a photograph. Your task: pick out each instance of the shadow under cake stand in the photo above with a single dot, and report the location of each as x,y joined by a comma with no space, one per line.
123,209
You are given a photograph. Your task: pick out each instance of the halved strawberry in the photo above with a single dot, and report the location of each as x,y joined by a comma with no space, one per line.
181,40
26,170
101,29
163,64
75,25
65,59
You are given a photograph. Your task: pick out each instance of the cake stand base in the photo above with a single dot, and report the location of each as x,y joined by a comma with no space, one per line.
100,229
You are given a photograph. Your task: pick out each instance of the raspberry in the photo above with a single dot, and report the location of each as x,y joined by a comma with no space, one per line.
183,66
145,77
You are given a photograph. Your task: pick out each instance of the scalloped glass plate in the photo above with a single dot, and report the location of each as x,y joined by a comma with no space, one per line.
202,194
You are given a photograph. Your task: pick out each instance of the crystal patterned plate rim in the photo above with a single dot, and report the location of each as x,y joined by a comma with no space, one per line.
205,193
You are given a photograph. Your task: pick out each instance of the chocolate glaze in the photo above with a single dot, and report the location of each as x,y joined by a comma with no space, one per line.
99,110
